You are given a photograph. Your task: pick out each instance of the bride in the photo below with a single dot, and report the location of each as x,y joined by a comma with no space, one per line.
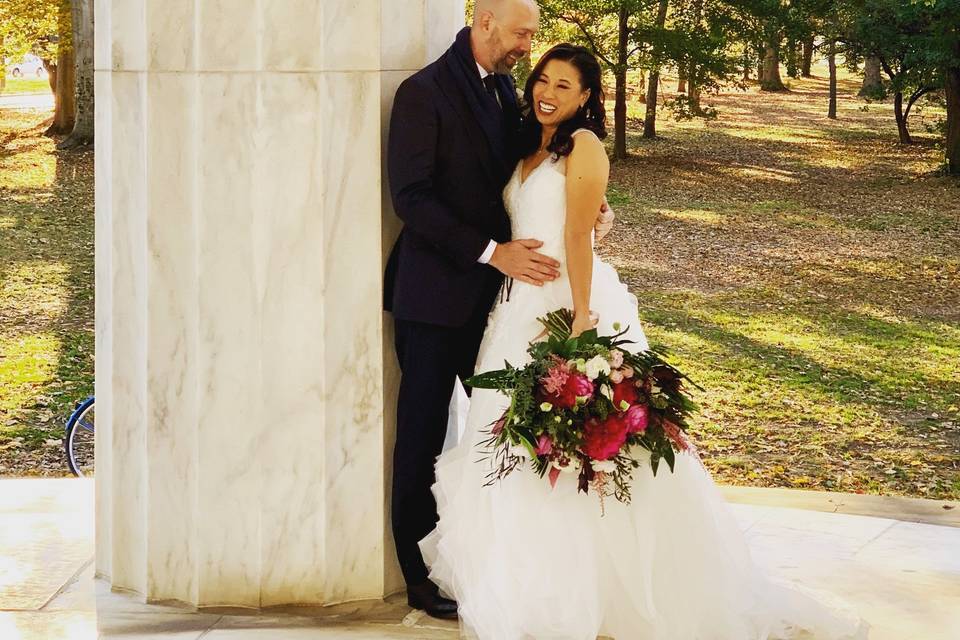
527,561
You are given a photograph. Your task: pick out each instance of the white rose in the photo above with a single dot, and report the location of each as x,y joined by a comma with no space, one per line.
606,392
596,366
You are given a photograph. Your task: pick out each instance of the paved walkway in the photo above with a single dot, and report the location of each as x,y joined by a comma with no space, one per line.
901,571
27,101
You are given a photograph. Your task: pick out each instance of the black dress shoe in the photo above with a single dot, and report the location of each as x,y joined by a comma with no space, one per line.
426,596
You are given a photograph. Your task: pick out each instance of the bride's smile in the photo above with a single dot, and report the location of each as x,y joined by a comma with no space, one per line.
558,93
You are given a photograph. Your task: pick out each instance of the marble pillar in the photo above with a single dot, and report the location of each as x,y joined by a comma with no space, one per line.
245,371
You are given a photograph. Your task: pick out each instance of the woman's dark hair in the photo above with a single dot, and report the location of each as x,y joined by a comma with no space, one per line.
591,116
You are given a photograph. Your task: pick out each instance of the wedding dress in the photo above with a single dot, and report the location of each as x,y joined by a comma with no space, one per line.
527,561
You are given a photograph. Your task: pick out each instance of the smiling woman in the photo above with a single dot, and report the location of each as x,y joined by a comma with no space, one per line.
565,88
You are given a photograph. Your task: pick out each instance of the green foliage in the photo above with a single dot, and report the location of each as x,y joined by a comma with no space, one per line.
901,35
29,26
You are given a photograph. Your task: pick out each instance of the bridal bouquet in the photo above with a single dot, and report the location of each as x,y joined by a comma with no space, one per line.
584,406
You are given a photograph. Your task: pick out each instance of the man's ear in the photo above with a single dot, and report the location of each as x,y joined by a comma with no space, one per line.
485,20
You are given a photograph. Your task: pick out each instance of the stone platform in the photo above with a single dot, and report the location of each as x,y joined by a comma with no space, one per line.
896,560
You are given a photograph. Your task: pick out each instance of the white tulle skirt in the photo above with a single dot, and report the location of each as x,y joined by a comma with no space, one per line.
525,561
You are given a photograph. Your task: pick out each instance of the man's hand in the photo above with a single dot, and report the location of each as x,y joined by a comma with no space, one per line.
605,221
519,261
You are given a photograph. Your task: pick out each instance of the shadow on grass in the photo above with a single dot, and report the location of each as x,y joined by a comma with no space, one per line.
51,227
797,371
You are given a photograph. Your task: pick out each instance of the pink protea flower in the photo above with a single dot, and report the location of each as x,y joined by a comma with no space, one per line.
556,377
637,418
544,445
576,385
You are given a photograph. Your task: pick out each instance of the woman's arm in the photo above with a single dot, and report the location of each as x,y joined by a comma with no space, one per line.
588,170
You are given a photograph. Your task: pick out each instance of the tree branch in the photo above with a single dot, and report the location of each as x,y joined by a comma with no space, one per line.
916,95
887,68
593,44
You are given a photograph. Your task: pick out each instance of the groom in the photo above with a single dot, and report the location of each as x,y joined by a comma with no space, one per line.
450,155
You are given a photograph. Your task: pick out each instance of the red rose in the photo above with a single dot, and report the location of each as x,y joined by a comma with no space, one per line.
603,440
625,391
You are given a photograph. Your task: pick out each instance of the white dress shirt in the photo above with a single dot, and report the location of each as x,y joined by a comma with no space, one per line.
488,252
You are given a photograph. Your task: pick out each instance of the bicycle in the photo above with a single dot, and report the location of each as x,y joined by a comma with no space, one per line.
79,440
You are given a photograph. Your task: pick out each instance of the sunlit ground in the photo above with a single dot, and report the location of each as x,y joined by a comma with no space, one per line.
46,292
805,269
807,272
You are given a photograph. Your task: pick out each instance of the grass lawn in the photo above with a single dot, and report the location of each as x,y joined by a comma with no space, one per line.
26,85
46,292
806,272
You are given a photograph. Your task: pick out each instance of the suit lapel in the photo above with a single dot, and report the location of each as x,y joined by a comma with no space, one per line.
486,136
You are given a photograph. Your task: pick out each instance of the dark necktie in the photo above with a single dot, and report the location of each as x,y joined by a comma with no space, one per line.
490,82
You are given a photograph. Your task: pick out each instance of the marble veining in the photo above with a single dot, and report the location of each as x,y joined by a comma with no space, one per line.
244,374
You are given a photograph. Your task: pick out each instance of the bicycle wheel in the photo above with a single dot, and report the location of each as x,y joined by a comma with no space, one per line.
79,440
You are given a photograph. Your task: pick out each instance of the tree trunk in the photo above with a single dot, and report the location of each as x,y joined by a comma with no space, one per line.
771,67
693,85
51,68
760,55
952,145
650,118
83,48
901,119
65,110
832,62
620,108
65,100
807,62
872,82
693,89
793,69
681,79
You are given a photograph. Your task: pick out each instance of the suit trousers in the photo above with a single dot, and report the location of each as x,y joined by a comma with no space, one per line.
431,358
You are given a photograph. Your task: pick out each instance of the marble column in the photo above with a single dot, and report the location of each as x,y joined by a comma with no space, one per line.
245,371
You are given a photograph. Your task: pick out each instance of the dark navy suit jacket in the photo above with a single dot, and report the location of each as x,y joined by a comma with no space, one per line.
450,154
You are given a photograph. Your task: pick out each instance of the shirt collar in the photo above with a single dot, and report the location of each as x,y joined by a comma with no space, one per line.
483,72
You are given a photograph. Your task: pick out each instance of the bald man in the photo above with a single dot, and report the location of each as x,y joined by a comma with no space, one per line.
450,154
